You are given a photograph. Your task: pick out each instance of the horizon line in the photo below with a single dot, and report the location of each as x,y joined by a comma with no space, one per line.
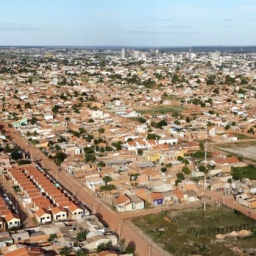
127,46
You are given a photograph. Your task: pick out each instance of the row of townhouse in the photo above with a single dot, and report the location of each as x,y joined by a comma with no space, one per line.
42,198
8,219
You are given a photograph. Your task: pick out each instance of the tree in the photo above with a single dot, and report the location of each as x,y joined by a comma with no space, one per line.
27,105
163,169
216,91
129,250
240,158
108,148
55,109
188,120
81,236
186,170
82,252
201,145
142,120
65,251
101,130
161,124
180,158
33,120
180,177
153,136
104,246
16,154
57,147
139,152
250,130
60,157
227,127
102,149
90,158
101,164
106,179
202,169
52,237
117,145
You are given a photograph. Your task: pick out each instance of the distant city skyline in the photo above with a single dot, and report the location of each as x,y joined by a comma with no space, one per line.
128,23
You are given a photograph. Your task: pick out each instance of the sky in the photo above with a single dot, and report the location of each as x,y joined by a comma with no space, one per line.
128,22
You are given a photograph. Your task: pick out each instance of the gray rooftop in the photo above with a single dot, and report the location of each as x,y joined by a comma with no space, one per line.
145,164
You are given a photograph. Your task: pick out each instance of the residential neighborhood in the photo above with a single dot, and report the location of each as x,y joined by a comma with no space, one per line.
138,133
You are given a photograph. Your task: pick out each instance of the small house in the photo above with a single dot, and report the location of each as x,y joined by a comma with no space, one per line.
43,216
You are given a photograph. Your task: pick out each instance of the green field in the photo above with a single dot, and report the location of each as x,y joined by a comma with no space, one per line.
242,137
188,232
161,109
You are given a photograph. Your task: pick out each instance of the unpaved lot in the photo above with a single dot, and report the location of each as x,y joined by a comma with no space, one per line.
247,151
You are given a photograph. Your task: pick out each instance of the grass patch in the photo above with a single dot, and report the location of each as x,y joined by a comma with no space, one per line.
161,109
242,136
170,97
216,220
239,173
176,236
147,205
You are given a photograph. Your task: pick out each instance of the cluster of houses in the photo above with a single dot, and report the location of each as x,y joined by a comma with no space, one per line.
134,130
64,233
43,198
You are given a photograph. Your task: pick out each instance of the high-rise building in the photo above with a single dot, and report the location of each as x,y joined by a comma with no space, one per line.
214,55
172,58
136,54
123,53
191,55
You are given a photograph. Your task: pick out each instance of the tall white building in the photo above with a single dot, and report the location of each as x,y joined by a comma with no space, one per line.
214,55
123,53
136,54
172,58
191,55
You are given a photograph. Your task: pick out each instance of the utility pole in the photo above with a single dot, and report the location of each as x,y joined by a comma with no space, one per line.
204,208
119,230
205,166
